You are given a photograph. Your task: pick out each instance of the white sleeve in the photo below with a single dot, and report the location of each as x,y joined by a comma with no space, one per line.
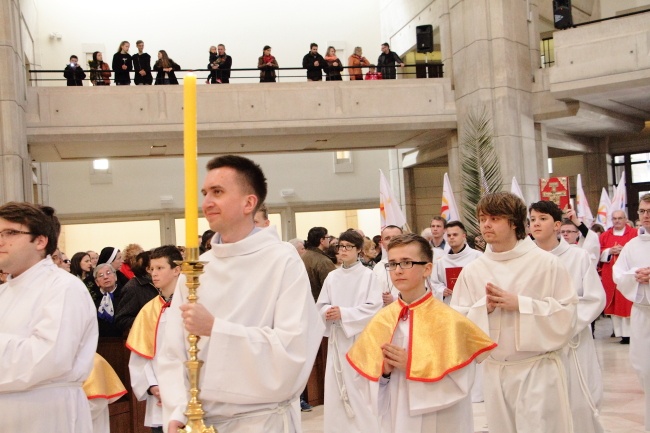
624,275
354,319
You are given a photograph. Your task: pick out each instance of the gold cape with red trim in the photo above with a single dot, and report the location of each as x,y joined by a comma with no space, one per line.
441,341
103,381
142,337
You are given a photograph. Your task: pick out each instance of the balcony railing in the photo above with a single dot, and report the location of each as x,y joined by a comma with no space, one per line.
416,70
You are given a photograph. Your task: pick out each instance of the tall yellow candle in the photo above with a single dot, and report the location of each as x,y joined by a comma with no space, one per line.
190,157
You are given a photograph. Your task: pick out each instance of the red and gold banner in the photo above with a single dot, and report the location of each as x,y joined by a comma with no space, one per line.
555,189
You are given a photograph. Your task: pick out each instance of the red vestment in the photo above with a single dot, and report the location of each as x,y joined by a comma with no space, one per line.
616,304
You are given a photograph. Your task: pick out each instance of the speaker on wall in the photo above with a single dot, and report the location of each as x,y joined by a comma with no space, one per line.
424,38
562,17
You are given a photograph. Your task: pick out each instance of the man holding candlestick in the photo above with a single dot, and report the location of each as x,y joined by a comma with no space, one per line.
256,317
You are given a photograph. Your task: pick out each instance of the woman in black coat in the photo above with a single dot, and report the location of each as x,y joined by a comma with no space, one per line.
122,65
165,68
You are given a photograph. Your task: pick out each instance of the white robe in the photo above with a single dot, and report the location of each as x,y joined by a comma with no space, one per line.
263,344
357,294
524,378
584,375
48,338
439,284
144,375
448,260
634,255
591,244
427,407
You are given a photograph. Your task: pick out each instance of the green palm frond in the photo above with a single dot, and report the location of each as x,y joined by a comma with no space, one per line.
480,171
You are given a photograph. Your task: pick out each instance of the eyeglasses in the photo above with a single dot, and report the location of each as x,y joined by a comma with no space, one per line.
9,233
566,232
643,211
107,274
346,247
406,264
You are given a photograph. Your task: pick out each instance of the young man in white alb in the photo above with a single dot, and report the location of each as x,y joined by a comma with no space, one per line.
524,298
349,299
632,275
584,375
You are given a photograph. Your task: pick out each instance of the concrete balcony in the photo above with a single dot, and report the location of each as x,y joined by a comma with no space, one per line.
71,123
600,84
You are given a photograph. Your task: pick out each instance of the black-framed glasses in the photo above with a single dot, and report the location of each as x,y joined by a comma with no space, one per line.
9,233
643,211
346,247
406,264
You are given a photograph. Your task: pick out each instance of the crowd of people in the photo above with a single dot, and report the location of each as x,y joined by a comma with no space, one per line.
220,65
412,329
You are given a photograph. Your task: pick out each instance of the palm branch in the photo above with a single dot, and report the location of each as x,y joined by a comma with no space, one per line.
480,170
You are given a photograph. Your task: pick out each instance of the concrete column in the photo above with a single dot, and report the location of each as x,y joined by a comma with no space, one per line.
445,42
15,172
599,174
492,70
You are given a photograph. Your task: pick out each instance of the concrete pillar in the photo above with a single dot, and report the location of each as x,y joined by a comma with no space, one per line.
15,171
490,43
599,174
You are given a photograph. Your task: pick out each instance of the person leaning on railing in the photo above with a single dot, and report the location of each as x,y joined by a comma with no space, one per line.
267,66
165,68
355,62
100,72
74,73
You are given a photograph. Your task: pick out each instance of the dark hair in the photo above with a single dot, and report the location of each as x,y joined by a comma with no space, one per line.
165,62
95,63
507,205
353,237
141,263
597,228
439,218
265,212
312,45
385,44
205,241
426,253
169,252
392,227
74,57
248,171
40,221
456,224
314,236
568,222
75,264
548,207
266,47
139,41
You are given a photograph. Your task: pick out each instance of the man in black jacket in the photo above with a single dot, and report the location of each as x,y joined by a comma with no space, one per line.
74,73
386,62
141,66
314,63
221,66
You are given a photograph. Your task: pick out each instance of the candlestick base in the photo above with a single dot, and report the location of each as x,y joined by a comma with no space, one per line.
192,268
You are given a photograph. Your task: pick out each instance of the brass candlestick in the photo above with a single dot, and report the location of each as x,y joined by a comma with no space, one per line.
192,268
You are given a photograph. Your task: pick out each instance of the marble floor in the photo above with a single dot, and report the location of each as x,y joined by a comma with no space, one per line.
623,403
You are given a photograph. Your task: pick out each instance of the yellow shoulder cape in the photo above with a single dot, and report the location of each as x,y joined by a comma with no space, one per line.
441,340
142,337
103,381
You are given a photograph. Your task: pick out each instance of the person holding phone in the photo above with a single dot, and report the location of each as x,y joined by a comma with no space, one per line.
73,72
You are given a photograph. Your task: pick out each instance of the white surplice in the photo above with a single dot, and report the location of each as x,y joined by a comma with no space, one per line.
264,340
524,378
144,375
634,255
423,407
591,244
48,338
584,375
356,292
439,284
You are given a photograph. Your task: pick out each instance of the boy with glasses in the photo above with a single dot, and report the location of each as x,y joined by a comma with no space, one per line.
417,383
349,299
632,274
